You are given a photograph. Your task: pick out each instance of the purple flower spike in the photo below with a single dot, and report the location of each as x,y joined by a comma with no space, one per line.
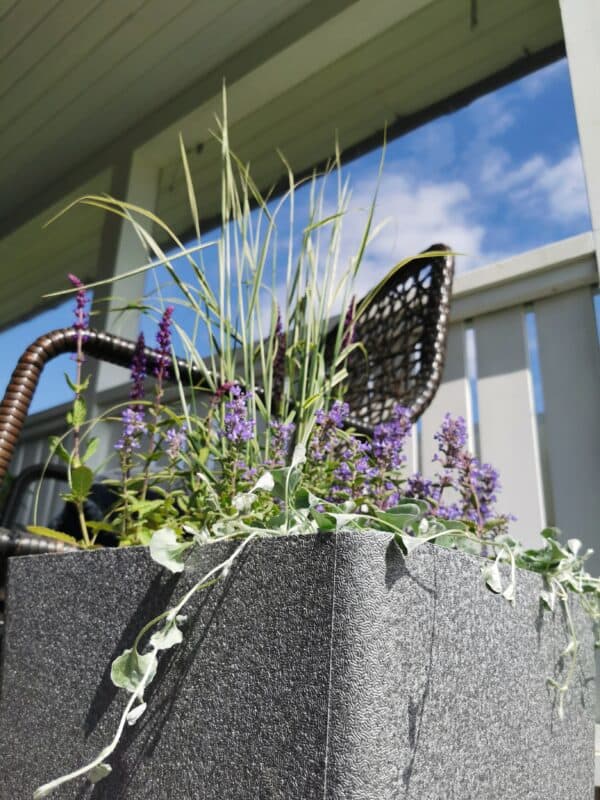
138,369
279,363
238,428
163,340
451,439
133,428
281,437
389,438
177,440
82,318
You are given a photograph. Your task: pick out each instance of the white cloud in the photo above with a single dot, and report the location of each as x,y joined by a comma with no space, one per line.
550,191
416,215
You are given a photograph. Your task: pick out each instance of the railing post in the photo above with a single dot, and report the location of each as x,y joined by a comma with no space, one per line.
581,27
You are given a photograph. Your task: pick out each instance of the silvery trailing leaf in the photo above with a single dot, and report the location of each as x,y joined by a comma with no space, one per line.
99,772
243,502
424,527
574,546
548,598
130,667
569,648
299,455
409,543
265,483
167,551
136,713
509,592
491,575
168,636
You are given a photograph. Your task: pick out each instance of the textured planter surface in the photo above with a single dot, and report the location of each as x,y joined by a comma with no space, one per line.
324,667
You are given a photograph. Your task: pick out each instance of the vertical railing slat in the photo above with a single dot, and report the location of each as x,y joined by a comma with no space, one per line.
570,367
507,424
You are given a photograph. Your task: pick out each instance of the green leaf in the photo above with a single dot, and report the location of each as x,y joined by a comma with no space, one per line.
58,449
167,551
77,387
90,449
79,412
39,530
99,772
326,522
398,521
81,482
128,669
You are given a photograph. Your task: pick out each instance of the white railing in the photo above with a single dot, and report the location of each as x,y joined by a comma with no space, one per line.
549,462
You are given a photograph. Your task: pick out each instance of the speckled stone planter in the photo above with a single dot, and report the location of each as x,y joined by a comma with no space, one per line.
325,667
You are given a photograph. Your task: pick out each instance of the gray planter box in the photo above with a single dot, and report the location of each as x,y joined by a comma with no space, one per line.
324,667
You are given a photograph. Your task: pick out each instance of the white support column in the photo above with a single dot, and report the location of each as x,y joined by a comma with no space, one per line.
581,27
121,251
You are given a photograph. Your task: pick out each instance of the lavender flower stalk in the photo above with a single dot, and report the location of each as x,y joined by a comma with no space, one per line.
278,365
238,428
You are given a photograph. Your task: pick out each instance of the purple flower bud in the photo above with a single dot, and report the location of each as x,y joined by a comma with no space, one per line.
81,301
163,340
133,429
278,363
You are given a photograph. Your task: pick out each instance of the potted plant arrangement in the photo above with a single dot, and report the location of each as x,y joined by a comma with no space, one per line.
289,613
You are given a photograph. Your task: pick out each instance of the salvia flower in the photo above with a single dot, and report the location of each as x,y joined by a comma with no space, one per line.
278,363
389,438
451,439
163,341
176,442
325,437
134,427
238,427
281,437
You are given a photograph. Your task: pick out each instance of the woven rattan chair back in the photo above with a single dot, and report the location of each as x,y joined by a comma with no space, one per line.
404,331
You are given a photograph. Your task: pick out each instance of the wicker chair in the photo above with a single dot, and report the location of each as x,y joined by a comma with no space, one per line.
404,332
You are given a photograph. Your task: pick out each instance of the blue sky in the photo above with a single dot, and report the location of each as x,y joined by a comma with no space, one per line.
499,177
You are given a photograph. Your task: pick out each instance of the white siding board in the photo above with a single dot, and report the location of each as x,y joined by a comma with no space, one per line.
56,61
95,54
570,367
148,74
507,425
21,19
452,397
62,21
